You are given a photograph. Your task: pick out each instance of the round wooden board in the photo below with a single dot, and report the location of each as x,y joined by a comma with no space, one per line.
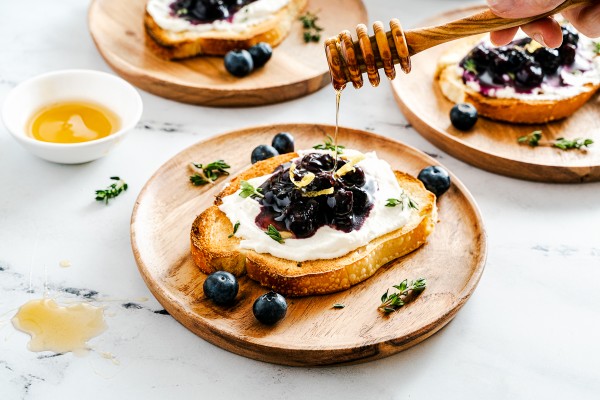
313,333
492,145
296,68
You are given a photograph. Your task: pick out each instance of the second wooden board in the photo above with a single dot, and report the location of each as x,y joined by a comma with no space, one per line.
296,68
313,332
492,145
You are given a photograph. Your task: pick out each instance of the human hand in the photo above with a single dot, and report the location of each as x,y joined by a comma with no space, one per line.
586,19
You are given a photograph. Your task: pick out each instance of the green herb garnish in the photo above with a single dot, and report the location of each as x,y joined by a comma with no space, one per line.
470,66
329,144
247,190
235,228
208,173
597,47
274,234
312,31
111,191
533,139
567,144
338,306
402,201
394,301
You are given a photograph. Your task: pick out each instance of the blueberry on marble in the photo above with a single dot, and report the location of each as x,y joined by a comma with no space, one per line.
435,179
262,152
463,116
221,287
239,63
283,142
261,53
270,308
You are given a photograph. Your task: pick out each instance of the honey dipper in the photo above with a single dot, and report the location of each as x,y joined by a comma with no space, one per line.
349,59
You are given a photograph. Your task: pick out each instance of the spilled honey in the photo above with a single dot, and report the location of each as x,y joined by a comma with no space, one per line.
72,122
59,329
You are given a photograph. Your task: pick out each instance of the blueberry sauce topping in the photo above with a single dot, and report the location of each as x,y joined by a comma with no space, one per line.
523,66
207,11
341,202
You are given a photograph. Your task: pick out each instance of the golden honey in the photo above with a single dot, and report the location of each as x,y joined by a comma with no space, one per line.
72,122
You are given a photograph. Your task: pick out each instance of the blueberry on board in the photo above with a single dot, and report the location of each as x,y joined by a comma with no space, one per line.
221,287
283,142
239,63
269,308
463,116
261,53
435,179
262,152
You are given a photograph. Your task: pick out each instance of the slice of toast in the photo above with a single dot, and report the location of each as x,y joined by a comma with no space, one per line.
212,249
526,111
177,45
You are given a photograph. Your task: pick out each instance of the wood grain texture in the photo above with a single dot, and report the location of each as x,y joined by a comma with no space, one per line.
296,68
313,333
493,145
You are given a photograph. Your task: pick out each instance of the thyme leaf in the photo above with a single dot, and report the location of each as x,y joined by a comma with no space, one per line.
403,201
274,234
208,173
470,66
312,31
329,144
533,139
235,228
338,306
247,190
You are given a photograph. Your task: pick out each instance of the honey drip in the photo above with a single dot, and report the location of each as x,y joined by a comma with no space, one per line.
72,122
59,329
338,97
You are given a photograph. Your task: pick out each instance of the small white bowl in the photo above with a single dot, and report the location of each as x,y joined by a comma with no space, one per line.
71,85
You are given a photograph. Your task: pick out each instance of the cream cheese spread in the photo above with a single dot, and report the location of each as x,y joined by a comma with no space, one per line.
327,242
248,16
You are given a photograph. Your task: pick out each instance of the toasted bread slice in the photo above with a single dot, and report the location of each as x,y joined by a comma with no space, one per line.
177,45
212,248
526,111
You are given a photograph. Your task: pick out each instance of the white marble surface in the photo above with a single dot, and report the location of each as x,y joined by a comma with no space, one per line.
531,329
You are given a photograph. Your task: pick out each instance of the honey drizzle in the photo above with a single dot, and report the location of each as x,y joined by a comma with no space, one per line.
338,96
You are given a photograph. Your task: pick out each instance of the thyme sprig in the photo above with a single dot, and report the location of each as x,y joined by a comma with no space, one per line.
235,228
406,291
470,66
208,173
312,31
534,139
329,144
403,201
112,191
247,190
274,234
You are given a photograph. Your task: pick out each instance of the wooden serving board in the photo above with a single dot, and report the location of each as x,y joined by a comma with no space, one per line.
296,68
312,333
492,145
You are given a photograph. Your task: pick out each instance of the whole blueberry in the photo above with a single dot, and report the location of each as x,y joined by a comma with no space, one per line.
567,53
262,152
549,59
269,308
221,287
239,63
261,53
435,179
570,35
530,75
463,116
283,142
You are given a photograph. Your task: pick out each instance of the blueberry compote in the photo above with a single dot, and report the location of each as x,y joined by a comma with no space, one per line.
207,11
523,66
301,210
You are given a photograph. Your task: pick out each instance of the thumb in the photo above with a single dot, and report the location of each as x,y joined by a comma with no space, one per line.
522,8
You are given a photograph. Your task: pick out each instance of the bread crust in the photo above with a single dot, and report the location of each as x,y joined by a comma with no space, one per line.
524,111
178,45
212,249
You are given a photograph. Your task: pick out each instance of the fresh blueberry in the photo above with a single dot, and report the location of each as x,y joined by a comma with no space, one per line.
209,11
221,287
239,63
463,116
283,142
435,179
567,53
549,59
263,152
570,35
261,53
530,75
269,308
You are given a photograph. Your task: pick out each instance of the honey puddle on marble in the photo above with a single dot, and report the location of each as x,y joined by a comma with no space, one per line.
59,329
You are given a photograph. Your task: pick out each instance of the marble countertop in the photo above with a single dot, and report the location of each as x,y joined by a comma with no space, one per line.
530,330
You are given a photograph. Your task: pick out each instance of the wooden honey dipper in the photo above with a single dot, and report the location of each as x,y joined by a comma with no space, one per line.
349,59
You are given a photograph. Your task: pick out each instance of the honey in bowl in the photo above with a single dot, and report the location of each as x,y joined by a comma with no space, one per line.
72,122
